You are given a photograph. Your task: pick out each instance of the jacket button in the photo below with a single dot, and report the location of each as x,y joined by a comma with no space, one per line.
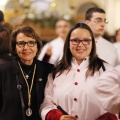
76,83
75,99
78,70
76,116
40,79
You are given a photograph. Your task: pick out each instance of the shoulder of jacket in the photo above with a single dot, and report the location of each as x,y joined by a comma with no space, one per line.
43,63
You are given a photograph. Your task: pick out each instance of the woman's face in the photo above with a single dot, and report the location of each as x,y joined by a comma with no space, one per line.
26,52
79,49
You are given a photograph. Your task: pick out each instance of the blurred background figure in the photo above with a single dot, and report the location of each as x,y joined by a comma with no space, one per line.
8,26
5,37
117,35
52,52
117,43
1,17
96,18
5,54
5,24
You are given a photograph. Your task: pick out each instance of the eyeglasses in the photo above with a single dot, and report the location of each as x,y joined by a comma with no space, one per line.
29,43
100,21
77,42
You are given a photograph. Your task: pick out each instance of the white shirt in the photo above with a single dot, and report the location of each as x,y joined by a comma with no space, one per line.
117,46
74,93
57,50
107,89
107,51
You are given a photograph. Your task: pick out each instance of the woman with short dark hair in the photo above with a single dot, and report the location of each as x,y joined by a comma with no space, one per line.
23,79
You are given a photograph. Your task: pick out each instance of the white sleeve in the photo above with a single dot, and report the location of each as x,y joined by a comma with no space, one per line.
47,104
107,89
43,51
117,52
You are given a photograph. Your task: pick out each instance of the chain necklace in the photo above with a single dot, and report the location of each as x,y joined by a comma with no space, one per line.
27,75
29,110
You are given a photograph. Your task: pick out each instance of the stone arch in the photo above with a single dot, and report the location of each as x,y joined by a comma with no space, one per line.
82,10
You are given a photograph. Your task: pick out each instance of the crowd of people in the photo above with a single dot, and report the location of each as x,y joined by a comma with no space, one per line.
73,77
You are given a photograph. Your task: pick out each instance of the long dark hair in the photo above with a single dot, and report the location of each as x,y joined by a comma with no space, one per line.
95,63
4,41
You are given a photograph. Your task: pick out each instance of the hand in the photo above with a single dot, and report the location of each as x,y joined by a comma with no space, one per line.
49,51
67,117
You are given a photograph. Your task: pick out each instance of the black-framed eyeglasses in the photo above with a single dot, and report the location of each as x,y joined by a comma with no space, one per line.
77,41
29,43
100,21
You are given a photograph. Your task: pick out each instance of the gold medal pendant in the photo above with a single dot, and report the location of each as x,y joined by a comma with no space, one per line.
28,112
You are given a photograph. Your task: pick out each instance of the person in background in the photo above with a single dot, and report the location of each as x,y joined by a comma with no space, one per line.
23,79
52,52
5,36
96,19
117,43
5,24
1,18
69,85
117,35
8,26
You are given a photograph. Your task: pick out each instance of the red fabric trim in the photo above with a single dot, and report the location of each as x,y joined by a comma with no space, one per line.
54,115
119,114
107,116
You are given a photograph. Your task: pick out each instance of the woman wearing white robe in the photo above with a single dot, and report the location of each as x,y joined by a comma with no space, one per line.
70,84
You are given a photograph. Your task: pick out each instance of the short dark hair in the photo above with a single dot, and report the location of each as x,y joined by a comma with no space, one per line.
1,16
94,62
28,31
92,10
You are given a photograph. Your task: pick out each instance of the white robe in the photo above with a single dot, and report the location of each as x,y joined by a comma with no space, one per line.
107,89
107,51
117,46
74,93
57,50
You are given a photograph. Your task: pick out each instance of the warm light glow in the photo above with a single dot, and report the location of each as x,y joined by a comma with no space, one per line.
3,2
49,0
67,17
53,4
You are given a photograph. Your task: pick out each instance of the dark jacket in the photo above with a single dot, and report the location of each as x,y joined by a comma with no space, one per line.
10,104
5,58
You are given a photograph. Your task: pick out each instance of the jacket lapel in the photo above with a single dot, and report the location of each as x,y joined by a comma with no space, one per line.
15,70
39,77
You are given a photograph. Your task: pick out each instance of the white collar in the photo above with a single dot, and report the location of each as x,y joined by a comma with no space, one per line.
84,63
